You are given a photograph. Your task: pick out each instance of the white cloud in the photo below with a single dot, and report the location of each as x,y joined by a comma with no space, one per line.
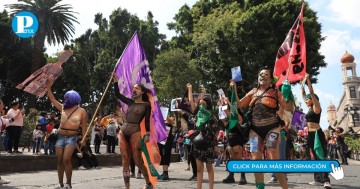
355,44
327,97
336,43
345,11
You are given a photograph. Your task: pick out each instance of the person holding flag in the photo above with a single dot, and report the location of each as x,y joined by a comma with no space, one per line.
144,126
316,138
262,119
130,136
237,136
206,132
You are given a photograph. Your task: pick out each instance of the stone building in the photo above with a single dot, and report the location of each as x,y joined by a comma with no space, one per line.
346,115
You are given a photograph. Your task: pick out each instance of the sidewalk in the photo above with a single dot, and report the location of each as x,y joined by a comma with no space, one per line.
27,152
111,177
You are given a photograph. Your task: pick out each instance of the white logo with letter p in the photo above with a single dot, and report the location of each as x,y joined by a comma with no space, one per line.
23,22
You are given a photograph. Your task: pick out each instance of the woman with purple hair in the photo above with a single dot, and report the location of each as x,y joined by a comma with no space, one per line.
73,119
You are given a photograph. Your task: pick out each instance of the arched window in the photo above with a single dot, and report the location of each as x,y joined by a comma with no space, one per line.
352,92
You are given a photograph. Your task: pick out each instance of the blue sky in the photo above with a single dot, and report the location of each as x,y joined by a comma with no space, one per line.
339,21
340,25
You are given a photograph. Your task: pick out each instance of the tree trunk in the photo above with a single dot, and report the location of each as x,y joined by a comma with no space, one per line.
38,54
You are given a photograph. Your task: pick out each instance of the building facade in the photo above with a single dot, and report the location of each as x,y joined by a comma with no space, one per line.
346,115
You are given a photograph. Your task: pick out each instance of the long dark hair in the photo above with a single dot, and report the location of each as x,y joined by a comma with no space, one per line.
208,103
144,96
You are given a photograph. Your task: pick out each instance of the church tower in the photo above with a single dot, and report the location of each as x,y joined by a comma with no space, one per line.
351,82
331,114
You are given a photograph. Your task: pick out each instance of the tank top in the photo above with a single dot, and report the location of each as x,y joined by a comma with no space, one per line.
311,116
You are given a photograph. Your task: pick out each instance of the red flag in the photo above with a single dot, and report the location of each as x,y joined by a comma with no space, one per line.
291,57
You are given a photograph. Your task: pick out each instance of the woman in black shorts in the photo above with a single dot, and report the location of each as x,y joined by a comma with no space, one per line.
236,142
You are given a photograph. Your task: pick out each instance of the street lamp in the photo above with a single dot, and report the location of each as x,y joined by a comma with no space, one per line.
351,109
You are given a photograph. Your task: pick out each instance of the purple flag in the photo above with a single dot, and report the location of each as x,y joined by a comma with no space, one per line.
299,120
133,67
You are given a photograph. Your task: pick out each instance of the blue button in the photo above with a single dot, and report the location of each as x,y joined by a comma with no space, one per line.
281,166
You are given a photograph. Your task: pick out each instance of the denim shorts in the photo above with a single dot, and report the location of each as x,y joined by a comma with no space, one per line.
63,141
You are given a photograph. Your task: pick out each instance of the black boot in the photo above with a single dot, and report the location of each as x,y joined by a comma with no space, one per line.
242,179
229,178
165,176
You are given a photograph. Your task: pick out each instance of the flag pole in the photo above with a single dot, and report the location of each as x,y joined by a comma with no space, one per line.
106,89
97,108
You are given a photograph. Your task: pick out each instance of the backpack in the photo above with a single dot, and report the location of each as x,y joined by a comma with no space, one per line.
53,137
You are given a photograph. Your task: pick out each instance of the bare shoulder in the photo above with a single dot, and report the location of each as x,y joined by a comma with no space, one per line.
251,92
82,110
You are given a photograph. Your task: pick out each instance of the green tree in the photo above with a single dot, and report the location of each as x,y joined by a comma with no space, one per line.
96,53
15,60
55,25
173,70
246,33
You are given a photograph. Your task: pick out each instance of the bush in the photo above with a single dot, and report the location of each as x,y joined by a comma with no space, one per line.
354,144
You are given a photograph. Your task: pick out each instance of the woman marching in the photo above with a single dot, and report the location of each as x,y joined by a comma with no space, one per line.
73,118
206,125
130,136
236,137
313,120
264,102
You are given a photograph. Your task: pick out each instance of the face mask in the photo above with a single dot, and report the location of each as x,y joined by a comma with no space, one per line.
203,116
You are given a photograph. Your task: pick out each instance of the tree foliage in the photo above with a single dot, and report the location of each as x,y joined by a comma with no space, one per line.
173,70
229,33
15,60
55,25
212,36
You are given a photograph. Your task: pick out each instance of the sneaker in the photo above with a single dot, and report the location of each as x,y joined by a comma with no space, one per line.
148,186
229,179
66,186
192,178
187,169
272,180
79,155
82,168
132,175
2,181
59,187
17,152
314,183
327,185
242,181
138,176
165,177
